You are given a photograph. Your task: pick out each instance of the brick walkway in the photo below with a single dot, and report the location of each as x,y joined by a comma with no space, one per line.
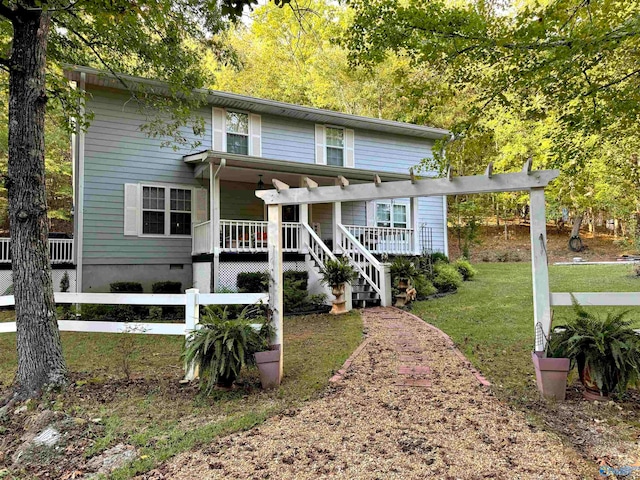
406,405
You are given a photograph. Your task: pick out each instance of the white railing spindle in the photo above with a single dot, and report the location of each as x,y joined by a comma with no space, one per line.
379,240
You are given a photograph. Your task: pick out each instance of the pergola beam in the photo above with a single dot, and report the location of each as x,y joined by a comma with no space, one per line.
505,182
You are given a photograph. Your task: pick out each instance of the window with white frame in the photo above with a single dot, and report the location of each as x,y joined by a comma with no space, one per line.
335,146
166,210
392,214
237,132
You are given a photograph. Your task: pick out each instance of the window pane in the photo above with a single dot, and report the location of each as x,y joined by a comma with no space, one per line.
237,144
400,216
335,137
153,198
237,123
180,223
334,157
180,200
383,214
153,222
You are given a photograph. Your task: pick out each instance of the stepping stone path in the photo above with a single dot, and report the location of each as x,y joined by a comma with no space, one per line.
406,405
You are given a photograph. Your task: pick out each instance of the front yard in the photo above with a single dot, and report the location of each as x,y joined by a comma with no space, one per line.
151,410
491,321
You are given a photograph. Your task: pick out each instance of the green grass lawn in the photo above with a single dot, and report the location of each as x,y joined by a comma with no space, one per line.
162,418
491,317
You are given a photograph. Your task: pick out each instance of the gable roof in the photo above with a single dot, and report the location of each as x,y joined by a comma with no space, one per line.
260,105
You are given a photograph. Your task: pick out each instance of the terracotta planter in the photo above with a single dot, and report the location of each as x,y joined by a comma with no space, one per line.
339,304
551,375
269,367
591,390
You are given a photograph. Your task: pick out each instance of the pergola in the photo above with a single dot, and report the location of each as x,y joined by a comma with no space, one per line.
527,180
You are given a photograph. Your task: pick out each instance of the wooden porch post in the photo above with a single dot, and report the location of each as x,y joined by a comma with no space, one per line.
276,303
539,268
415,244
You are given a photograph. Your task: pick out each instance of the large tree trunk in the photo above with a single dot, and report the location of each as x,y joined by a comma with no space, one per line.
40,360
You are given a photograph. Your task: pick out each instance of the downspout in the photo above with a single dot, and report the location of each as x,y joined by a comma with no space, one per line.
214,222
445,212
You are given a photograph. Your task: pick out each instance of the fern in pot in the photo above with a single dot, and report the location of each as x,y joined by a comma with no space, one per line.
606,351
222,346
336,274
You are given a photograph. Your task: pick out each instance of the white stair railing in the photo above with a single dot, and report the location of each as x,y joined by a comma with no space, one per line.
316,247
374,273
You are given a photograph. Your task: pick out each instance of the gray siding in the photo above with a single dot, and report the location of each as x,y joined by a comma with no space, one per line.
117,152
285,139
239,202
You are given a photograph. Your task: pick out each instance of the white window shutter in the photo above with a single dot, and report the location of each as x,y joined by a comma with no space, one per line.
131,208
218,141
202,201
321,151
349,146
371,213
255,135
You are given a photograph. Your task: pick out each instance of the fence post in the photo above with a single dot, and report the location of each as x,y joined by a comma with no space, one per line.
386,300
192,318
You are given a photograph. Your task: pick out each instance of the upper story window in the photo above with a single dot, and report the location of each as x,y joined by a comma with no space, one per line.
237,126
335,146
166,211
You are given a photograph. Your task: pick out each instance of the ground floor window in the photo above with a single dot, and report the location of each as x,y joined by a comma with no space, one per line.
166,210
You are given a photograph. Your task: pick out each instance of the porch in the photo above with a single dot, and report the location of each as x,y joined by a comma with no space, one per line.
236,218
60,251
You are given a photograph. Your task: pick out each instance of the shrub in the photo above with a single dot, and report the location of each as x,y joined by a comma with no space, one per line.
636,270
167,312
126,287
464,267
167,287
90,311
438,257
65,308
296,276
423,287
253,282
294,293
128,313
446,278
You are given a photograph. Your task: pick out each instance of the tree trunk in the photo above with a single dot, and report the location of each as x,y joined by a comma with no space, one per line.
40,360
577,223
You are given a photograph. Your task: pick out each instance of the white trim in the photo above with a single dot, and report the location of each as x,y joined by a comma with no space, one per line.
445,213
601,299
167,208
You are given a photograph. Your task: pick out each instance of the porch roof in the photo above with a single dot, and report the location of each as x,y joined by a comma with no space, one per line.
268,166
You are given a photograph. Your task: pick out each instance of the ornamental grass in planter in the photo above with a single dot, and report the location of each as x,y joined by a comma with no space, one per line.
222,346
335,274
606,351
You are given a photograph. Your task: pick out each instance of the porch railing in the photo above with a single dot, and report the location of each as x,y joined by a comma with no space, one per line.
378,240
60,250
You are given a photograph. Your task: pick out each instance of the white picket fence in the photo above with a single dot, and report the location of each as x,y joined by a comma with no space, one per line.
191,300
600,299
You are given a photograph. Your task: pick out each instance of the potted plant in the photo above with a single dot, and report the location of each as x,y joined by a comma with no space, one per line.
605,350
404,271
222,346
268,358
335,274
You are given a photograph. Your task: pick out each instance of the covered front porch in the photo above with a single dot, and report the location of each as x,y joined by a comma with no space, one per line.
237,218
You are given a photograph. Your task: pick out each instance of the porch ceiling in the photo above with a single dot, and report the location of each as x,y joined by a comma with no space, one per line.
245,168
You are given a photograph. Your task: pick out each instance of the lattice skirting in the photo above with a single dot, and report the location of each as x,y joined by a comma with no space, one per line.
229,271
6,280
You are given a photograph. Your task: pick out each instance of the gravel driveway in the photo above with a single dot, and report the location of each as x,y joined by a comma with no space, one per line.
408,407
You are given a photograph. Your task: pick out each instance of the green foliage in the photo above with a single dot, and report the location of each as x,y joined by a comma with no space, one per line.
125,287
222,346
403,268
294,294
253,282
424,287
64,282
338,271
446,277
465,268
167,287
609,347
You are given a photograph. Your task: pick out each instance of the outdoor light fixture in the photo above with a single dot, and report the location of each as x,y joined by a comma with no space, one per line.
260,183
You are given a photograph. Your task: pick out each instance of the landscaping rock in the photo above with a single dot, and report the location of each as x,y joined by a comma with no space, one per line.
111,459
49,437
